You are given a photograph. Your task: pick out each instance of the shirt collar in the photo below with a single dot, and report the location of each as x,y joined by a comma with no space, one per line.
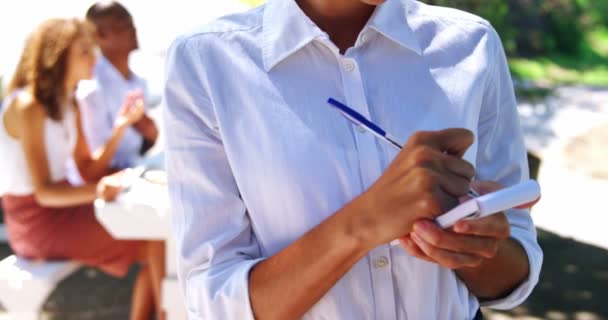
108,69
286,28
390,20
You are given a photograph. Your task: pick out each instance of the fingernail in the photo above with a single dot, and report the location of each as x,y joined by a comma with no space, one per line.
415,237
421,226
417,227
410,243
463,227
464,198
424,231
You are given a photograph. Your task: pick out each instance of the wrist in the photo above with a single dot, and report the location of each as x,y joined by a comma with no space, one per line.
357,224
508,269
139,125
120,128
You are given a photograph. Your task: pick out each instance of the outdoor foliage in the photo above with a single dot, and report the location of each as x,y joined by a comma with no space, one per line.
539,27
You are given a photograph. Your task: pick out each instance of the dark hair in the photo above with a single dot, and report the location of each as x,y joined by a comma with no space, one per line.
44,62
107,9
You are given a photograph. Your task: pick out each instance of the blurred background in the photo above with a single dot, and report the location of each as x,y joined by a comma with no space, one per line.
558,54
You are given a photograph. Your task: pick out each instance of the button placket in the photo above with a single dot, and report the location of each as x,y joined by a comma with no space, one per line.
370,169
348,65
381,262
382,283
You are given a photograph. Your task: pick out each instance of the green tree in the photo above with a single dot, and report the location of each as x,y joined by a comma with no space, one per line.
537,27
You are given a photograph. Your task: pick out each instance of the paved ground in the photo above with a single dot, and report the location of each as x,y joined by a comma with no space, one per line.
573,284
569,132
86,295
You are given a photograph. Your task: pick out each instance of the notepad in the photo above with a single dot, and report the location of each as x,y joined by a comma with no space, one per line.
489,204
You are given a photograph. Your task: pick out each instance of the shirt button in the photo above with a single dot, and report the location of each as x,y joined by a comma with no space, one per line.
349,65
361,129
381,262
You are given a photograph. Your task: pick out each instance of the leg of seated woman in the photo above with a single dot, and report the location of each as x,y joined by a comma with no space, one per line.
74,233
142,302
156,263
151,254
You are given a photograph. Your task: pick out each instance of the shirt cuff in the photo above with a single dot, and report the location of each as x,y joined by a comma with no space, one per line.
535,258
223,292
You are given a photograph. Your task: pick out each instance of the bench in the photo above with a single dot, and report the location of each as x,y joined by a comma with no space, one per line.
25,285
172,299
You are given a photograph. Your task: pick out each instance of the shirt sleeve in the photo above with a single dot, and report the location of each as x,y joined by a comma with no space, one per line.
216,245
96,124
145,90
502,158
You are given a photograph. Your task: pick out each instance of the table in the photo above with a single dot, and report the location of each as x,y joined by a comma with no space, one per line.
142,213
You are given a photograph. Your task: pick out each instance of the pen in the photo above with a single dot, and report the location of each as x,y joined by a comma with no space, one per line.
361,121
371,127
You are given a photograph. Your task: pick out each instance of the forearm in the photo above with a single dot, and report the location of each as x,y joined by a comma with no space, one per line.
318,260
147,129
99,164
64,195
497,277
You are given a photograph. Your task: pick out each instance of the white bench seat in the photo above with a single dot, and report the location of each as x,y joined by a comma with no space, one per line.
25,285
172,300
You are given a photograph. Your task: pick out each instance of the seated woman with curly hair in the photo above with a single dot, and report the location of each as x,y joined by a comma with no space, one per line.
40,130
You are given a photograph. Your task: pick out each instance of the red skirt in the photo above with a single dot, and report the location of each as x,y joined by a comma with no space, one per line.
73,233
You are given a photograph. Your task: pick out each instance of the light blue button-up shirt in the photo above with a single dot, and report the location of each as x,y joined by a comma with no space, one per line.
256,157
101,100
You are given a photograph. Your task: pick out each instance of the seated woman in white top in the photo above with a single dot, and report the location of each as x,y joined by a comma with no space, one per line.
47,218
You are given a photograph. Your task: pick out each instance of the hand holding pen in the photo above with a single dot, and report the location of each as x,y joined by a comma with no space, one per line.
422,182
374,129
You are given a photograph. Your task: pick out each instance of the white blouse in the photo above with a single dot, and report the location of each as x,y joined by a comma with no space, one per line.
59,142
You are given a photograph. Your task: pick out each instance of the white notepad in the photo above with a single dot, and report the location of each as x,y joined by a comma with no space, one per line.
489,204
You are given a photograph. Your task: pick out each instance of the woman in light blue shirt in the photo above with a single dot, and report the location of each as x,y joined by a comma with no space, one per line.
283,209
